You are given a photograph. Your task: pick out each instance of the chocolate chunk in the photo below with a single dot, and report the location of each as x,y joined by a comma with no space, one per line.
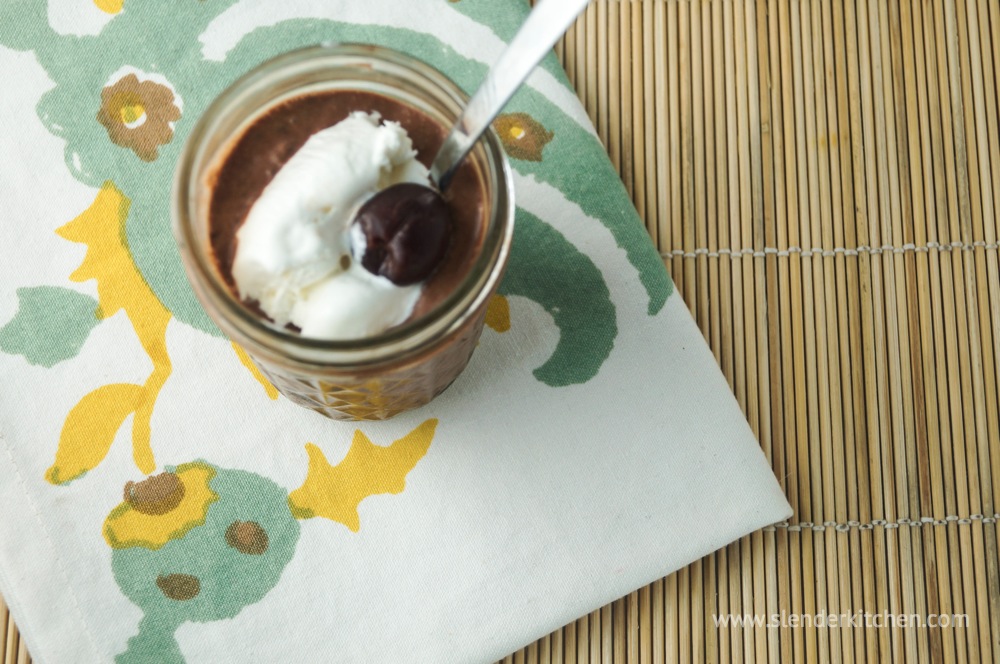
407,229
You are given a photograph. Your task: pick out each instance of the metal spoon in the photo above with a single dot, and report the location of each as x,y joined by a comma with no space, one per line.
536,37
406,252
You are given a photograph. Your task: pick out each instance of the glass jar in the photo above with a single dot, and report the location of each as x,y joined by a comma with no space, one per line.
406,366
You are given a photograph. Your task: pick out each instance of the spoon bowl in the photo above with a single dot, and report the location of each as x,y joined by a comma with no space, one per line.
404,255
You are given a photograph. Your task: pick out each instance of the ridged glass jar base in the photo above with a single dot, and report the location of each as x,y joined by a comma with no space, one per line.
379,396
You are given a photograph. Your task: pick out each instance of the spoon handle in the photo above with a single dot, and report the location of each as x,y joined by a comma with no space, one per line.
536,37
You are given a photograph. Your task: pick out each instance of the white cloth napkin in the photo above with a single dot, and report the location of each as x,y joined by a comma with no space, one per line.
591,447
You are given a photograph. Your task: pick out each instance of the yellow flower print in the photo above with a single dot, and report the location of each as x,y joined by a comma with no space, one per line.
161,508
91,426
334,492
270,390
498,313
522,136
109,6
137,115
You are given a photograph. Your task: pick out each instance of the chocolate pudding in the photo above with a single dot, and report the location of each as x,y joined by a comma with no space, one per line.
271,140
298,233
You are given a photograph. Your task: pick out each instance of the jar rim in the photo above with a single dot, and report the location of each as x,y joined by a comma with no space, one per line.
261,334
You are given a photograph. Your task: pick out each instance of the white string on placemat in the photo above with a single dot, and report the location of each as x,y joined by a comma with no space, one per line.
805,253
901,522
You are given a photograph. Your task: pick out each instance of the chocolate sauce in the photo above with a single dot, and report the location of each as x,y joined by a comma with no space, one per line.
270,142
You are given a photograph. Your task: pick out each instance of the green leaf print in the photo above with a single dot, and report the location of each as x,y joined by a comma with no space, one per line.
50,326
207,573
546,268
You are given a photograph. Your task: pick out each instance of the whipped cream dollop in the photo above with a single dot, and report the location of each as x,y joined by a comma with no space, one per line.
296,254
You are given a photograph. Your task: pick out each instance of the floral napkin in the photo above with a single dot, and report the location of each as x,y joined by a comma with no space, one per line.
161,503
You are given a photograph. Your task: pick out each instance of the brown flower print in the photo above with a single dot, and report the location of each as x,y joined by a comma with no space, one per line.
137,115
522,136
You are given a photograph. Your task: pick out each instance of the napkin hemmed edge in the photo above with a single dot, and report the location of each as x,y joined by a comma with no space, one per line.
23,555
646,578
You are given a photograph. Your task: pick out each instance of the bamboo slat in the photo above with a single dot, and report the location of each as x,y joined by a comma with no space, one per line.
821,178
826,175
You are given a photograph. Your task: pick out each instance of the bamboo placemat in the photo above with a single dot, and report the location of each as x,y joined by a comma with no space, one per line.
821,179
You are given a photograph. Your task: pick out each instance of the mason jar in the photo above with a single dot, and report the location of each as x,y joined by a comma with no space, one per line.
405,366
